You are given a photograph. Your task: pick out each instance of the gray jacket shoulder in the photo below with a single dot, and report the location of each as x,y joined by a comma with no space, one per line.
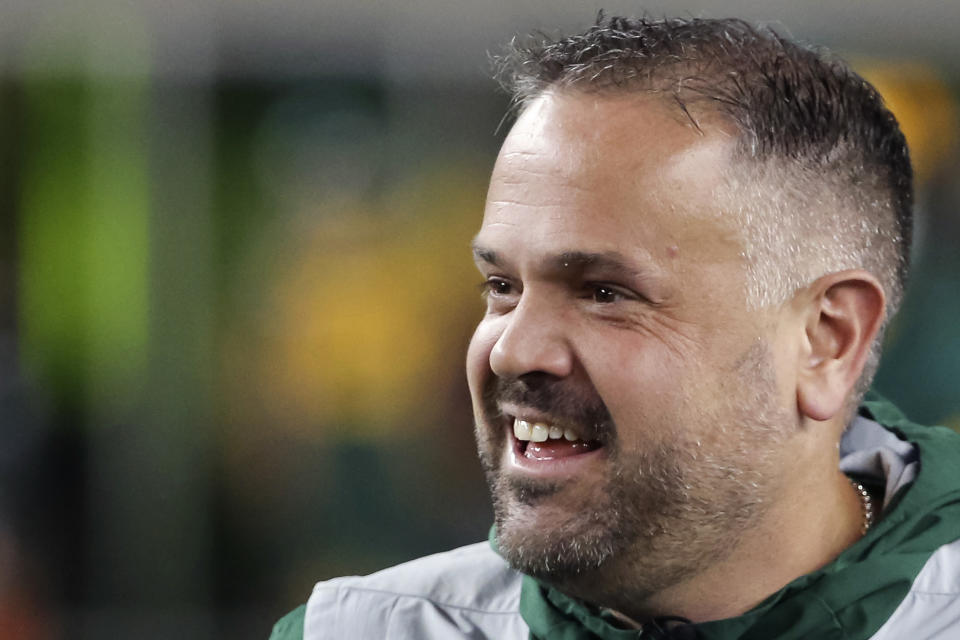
469,592
931,609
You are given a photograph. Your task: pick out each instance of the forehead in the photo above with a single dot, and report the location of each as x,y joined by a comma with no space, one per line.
601,173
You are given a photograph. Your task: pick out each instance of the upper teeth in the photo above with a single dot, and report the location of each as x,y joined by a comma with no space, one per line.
540,432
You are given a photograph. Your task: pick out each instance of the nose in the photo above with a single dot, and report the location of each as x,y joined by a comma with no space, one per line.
533,341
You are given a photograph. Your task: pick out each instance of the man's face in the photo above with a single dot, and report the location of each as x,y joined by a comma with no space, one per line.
616,315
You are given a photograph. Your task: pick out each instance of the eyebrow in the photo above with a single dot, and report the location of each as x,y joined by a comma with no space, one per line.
482,254
580,260
567,260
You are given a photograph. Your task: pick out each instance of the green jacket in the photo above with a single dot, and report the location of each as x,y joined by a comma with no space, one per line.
900,580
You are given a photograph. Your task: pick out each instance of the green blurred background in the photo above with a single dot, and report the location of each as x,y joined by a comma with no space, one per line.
236,291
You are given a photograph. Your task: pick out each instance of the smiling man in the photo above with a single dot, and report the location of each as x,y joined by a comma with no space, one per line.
694,236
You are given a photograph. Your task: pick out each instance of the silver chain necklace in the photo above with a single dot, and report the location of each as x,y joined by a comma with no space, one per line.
867,503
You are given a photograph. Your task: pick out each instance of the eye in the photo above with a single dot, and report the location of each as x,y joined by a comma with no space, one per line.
500,294
496,287
605,294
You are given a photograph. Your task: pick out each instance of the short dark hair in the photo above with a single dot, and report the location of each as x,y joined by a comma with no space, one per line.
803,117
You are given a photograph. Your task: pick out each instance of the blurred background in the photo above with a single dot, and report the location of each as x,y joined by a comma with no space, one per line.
236,291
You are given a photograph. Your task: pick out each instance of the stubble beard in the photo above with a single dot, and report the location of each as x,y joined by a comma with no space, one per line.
661,513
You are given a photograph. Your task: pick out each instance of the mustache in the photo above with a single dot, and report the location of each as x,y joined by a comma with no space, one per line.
553,398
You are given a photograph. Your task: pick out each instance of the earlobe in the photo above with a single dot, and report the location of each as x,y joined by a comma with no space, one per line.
844,313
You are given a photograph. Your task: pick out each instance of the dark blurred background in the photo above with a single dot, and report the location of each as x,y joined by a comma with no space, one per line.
235,287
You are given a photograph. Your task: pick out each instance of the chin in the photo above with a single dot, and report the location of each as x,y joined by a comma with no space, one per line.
545,532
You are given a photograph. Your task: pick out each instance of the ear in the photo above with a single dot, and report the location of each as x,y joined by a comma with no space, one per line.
844,312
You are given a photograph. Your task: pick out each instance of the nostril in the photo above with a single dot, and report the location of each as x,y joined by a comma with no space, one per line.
536,380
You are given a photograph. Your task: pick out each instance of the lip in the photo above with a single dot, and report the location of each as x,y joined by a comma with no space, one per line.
516,462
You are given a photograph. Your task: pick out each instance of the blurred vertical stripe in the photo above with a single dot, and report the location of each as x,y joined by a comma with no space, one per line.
84,235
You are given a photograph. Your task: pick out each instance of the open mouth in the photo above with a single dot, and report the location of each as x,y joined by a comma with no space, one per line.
544,441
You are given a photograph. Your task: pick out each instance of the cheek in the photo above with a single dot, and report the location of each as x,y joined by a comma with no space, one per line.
645,385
